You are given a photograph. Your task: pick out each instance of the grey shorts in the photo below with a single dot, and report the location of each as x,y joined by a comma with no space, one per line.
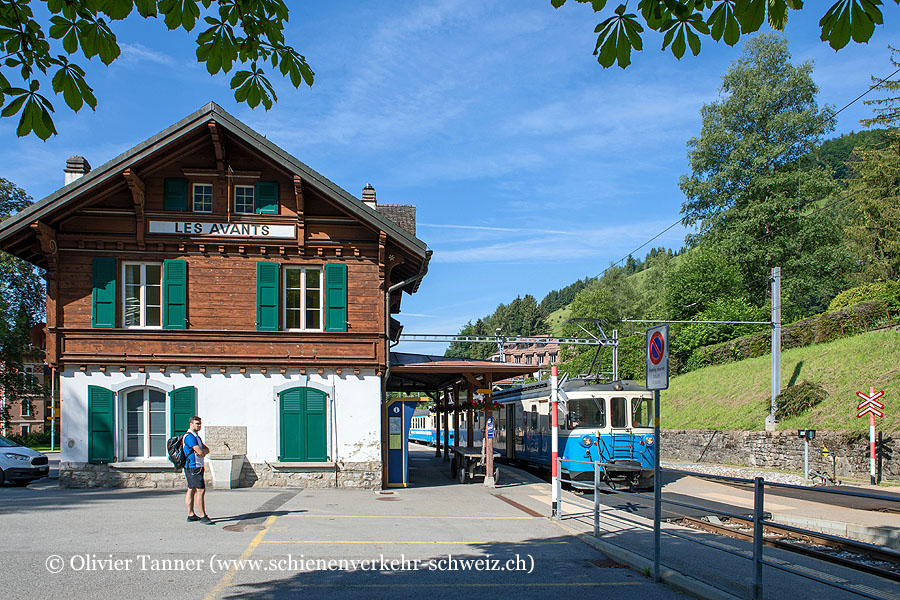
194,476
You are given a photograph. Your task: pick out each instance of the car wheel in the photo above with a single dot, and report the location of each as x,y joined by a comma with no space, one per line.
2,477
21,482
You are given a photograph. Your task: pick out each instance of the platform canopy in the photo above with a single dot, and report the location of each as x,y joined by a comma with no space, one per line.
429,373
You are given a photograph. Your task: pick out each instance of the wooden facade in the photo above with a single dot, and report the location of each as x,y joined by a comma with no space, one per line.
111,212
207,271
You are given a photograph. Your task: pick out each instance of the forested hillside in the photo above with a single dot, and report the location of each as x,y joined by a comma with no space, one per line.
762,191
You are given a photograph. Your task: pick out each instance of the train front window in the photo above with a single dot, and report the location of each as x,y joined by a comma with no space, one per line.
642,412
590,412
618,413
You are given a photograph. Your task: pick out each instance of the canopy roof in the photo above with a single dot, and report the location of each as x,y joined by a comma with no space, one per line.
429,373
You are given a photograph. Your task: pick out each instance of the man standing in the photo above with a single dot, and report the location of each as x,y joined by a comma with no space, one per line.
194,451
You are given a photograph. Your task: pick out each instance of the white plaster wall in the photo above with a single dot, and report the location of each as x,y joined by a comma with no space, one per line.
354,407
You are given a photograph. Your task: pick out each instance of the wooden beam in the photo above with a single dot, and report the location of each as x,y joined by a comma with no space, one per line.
301,217
472,380
218,146
46,236
139,195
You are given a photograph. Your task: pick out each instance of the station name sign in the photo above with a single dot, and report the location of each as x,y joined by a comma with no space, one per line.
196,228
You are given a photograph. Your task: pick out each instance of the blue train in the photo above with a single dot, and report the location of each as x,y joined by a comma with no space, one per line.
611,423
423,429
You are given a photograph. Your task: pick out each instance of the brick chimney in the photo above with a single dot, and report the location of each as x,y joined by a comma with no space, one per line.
368,197
76,166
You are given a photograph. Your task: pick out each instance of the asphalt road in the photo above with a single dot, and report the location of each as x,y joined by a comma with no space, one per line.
421,541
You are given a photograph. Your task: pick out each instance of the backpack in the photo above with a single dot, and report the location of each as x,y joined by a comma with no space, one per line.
175,449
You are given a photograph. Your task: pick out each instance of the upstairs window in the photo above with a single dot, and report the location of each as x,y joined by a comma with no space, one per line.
142,295
203,197
303,298
243,199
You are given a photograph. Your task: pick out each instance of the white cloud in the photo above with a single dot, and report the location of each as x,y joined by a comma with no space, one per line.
132,53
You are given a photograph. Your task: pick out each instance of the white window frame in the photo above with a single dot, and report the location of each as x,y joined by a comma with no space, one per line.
143,295
284,309
194,197
25,409
252,195
123,415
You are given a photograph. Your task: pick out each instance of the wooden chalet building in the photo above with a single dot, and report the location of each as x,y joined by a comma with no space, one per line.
207,271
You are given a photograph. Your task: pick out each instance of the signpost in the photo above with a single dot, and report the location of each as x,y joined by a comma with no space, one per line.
873,407
554,443
657,359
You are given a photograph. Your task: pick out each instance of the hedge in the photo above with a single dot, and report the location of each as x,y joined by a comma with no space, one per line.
814,330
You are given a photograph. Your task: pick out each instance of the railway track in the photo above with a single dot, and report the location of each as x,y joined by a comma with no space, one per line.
840,552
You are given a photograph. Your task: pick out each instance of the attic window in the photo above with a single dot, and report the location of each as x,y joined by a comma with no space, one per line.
243,199
203,195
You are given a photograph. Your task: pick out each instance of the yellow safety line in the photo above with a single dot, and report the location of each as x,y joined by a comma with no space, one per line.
394,542
461,584
226,579
406,517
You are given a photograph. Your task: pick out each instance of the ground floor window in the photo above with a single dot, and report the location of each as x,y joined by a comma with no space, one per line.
303,425
145,423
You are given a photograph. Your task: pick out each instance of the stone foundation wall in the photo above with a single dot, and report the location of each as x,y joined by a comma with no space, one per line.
364,475
777,450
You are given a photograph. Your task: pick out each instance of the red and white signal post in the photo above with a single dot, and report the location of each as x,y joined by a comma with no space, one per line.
554,423
871,405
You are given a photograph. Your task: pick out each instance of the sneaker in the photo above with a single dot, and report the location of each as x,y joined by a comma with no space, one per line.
206,520
192,518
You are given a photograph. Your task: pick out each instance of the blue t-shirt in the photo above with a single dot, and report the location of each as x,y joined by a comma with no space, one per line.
193,459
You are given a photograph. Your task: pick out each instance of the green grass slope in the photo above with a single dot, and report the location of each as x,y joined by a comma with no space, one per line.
736,395
556,319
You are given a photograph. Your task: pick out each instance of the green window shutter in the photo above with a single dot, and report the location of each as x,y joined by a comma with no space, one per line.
303,425
103,310
315,426
175,194
266,296
267,197
182,406
335,297
290,409
101,445
175,294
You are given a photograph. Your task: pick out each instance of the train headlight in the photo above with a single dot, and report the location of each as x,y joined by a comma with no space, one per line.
586,441
649,441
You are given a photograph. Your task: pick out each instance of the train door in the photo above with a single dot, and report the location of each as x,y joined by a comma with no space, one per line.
521,423
621,446
511,424
500,431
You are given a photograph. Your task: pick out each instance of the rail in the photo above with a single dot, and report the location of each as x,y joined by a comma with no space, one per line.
759,522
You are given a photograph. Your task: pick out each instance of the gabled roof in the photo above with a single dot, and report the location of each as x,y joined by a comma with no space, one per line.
211,111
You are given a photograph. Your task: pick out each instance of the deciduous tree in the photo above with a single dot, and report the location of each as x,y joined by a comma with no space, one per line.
39,53
682,23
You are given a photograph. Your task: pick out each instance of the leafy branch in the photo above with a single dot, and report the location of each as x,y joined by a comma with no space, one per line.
683,22
240,32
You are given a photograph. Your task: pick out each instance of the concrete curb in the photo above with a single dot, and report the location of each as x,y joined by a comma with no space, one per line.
642,564
880,536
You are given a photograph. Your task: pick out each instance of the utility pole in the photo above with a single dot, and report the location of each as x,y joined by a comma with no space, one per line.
776,346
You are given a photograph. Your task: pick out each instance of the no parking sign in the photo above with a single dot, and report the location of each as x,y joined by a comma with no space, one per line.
658,358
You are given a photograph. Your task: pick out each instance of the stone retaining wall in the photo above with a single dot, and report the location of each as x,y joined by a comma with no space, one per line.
364,475
777,450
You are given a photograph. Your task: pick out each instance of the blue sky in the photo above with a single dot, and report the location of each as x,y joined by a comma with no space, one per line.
531,165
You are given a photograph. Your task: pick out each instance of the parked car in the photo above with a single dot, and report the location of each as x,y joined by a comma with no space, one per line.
20,465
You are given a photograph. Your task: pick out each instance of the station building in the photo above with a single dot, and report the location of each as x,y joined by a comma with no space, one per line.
207,271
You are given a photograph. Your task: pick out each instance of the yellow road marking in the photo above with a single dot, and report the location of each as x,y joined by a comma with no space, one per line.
404,517
393,542
461,585
226,579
